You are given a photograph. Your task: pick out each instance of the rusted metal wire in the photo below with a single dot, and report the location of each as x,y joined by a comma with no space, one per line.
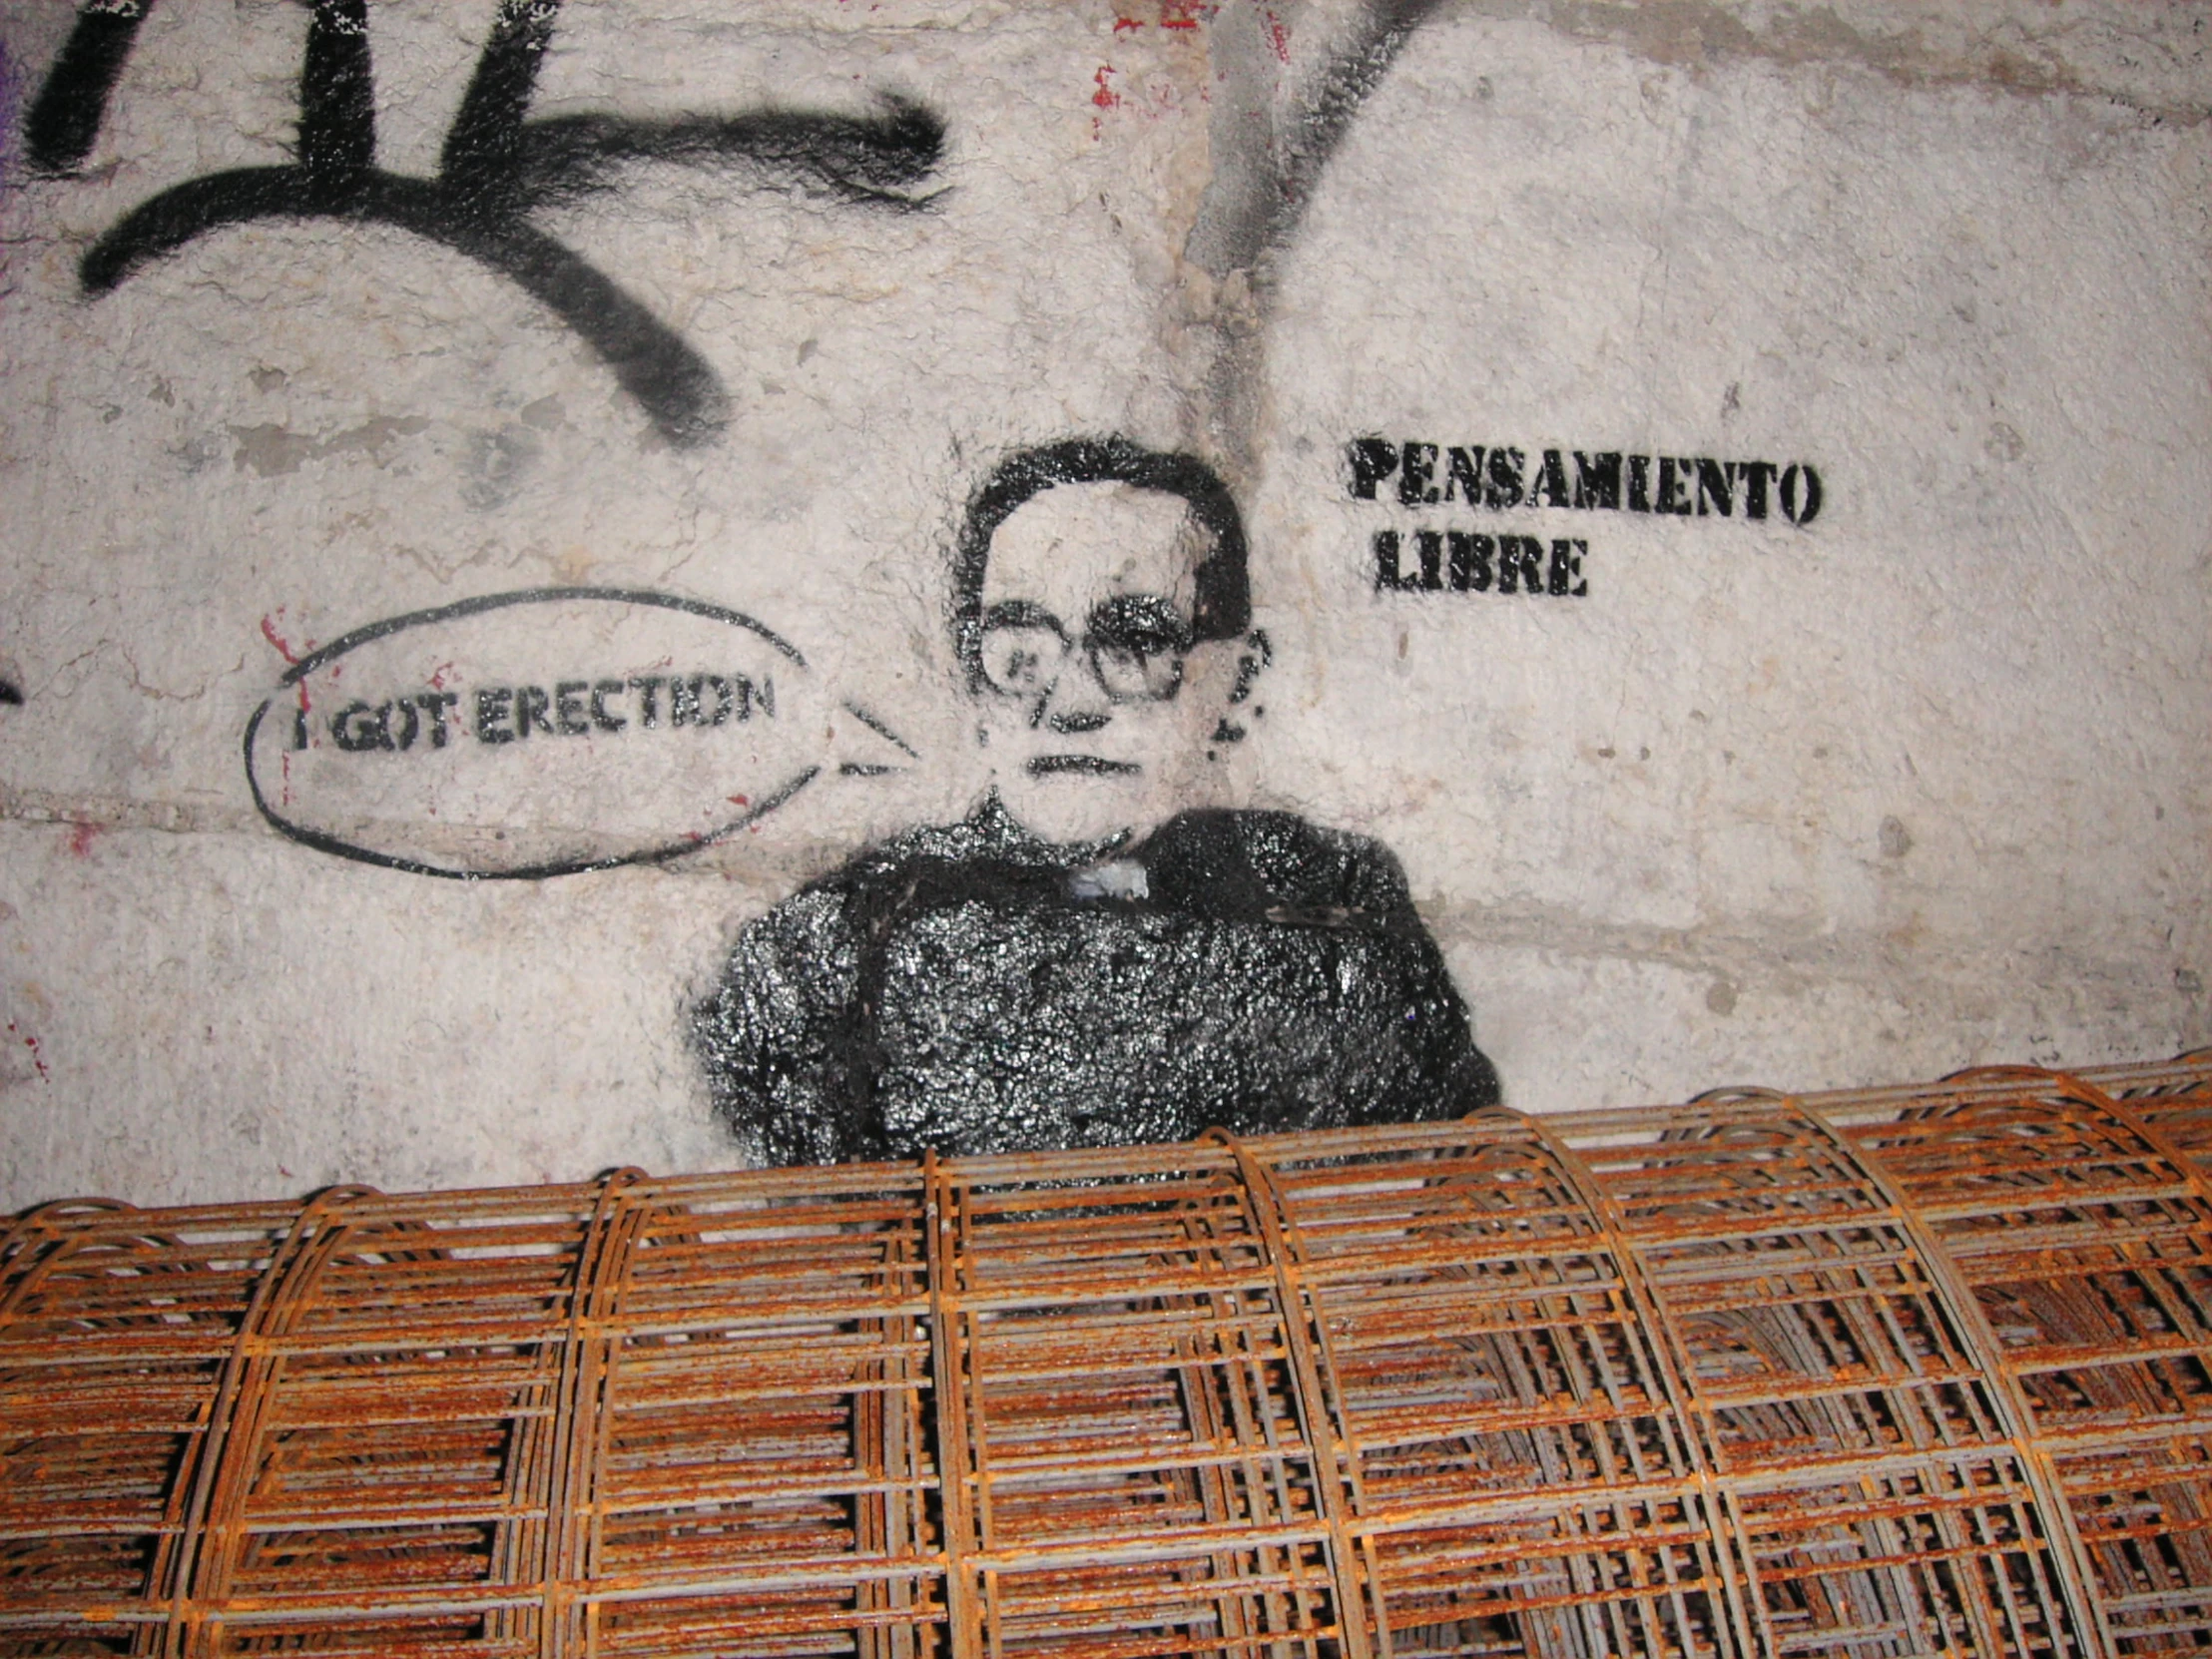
1896,1372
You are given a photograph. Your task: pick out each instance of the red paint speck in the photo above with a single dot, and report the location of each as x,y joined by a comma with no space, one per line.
738,801
1183,14
1121,23
80,838
1106,98
439,674
268,633
1279,38
31,1043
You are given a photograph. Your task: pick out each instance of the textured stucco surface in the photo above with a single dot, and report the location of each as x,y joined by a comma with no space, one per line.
1924,782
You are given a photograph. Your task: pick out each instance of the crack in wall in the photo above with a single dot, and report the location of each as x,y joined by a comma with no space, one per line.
1792,959
28,806
1697,34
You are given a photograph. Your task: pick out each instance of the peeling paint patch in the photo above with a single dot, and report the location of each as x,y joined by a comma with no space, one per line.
272,450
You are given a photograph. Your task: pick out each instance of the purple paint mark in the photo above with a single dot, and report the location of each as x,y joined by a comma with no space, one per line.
11,101
11,105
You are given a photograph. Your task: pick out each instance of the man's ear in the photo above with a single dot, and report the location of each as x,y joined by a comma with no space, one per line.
1253,658
1252,661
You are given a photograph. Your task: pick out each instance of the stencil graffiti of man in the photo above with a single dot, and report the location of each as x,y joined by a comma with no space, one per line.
1077,963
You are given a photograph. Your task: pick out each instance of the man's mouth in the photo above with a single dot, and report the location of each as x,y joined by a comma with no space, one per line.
1085,766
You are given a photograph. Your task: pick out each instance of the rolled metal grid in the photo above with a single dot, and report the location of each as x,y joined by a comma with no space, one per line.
1886,1372
2085,1235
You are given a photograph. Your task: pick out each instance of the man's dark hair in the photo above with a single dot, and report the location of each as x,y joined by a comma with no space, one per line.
1222,609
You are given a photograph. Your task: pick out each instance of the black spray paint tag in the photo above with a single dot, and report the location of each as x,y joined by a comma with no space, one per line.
543,733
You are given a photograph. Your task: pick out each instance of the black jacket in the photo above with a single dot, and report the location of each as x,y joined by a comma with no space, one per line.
973,989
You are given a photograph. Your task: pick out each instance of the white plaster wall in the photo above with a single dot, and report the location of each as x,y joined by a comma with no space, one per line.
1923,783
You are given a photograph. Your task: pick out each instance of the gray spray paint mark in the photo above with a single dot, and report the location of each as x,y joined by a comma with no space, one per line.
493,464
1257,196
1270,151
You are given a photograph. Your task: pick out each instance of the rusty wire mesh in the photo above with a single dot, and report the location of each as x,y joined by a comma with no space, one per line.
1886,1372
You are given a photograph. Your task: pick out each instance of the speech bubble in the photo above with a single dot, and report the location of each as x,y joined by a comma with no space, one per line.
520,736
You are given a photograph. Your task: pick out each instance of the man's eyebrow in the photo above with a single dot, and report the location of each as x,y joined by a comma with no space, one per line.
495,166
1021,613
1138,608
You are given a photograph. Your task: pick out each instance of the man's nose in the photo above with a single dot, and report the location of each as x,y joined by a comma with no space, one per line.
1076,701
